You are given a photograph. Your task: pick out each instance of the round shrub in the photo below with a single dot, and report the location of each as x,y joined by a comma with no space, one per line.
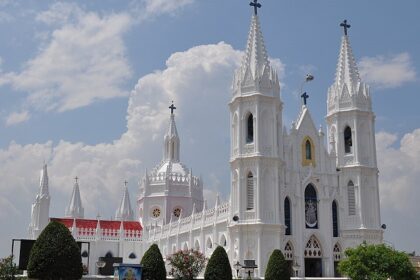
277,268
55,255
153,265
218,267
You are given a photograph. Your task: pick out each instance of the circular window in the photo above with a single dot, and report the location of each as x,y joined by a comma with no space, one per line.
156,212
177,212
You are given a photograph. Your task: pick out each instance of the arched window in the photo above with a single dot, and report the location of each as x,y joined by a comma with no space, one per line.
287,216
347,140
335,218
250,191
308,150
250,129
311,207
209,243
351,197
197,245
223,241
313,248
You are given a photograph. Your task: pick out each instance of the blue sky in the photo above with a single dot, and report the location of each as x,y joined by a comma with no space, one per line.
85,86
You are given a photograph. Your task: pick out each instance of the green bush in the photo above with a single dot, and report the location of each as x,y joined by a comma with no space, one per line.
376,262
8,269
277,268
153,265
218,267
55,255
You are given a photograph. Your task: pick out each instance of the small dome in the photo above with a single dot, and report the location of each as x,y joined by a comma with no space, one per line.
175,167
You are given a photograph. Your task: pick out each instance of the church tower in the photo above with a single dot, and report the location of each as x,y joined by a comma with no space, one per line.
256,149
351,134
40,214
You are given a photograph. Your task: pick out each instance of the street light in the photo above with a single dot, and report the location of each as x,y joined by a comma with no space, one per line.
237,266
296,268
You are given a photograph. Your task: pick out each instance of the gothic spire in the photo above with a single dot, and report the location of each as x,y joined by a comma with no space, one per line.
347,72
75,208
171,139
43,181
255,58
255,73
348,90
124,211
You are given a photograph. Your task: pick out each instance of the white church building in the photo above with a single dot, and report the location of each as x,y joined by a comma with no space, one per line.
310,194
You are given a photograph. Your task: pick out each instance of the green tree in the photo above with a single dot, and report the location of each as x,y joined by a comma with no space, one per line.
186,264
376,262
277,268
8,269
218,267
55,255
153,265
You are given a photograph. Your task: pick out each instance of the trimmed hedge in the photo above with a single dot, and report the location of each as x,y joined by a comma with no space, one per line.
153,265
218,267
55,255
277,268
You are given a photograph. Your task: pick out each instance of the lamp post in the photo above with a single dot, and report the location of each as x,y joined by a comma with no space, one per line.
237,266
296,268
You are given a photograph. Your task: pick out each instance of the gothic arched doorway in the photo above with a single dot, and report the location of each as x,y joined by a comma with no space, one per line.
313,258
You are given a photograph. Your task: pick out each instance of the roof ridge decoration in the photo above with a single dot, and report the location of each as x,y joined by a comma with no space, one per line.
75,208
124,211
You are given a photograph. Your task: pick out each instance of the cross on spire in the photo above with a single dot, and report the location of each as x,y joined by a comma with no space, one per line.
256,5
125,183
76,179
172,107
304,96
345,26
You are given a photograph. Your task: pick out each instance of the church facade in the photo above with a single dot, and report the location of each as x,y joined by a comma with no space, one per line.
288,190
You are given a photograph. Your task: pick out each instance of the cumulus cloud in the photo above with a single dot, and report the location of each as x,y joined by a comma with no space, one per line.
387,71
83,61
15,118
398,180
147,9
198,80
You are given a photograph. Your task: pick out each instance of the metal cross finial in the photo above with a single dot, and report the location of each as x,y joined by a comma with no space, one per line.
76,179
305,96
172,107
125,183
345,26
256,5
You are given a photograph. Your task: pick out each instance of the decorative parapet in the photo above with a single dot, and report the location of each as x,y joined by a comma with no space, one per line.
197,220
91,234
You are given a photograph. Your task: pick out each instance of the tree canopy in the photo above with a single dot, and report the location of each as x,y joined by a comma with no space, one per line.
153,264
277,268
218,267
55,255
376,262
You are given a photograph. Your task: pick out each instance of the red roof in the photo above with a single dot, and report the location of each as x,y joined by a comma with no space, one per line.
103,224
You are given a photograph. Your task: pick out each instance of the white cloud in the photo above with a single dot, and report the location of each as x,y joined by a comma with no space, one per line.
83,61
198,80
387,71
398,181
146,9
60,13
15,118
